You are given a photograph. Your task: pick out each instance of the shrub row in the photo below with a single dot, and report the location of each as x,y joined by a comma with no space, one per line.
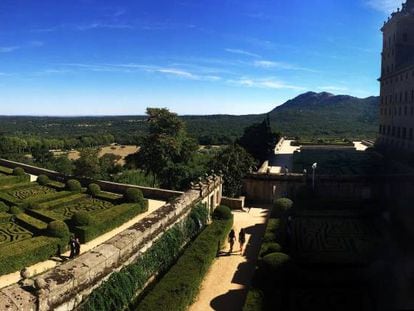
108,219
33,224
120,289
6,170
62,201
4,217
8,199
16,256
178,288
110,197
49,197
9,180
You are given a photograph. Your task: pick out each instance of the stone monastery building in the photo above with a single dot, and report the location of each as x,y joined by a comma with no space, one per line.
397,80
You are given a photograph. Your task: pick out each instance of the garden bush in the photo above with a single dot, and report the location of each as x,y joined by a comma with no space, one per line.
59,229
73,185
4,208
133,195
222,213
68,198
274,266
17,255
254,301
18,171
81,218
269,247
121,287
178,288
15,210
281,206
94,189
43,180
107,220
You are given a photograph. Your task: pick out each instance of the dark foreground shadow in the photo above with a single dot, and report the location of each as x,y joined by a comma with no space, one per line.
233,300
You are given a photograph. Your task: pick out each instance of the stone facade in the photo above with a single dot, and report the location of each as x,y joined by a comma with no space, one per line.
397,81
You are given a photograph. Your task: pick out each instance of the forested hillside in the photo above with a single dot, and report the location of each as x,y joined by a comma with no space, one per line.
308,115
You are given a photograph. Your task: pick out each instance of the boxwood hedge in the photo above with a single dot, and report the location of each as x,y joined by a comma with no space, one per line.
178,288
108,219
16,256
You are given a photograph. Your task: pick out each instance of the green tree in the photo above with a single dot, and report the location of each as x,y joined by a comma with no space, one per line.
235,163
63,165
88,164
166,149
259,140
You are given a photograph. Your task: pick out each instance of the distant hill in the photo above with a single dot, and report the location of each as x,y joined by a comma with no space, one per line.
310,115
324,114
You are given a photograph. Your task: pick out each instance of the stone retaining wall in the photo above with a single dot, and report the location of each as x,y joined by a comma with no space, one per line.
67,285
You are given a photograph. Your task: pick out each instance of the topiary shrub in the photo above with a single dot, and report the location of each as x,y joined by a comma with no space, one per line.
18,171
222,212
133,195
16,210
81,218
94,189
270,247
4,208
43,180
58,229
275,265
73,185
281,206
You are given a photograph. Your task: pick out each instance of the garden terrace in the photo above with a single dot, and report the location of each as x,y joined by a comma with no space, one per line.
27,208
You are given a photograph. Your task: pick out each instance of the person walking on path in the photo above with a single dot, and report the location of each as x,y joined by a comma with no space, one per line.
232,238
72,245
242,239
77,247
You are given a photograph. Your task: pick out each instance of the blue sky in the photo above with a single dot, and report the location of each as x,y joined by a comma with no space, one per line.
100,57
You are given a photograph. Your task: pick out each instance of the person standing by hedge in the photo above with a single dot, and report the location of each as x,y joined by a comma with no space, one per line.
232,238
242,239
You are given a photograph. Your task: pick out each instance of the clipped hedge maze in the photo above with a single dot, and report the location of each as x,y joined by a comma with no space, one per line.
25,193
331,239
10,232
85,204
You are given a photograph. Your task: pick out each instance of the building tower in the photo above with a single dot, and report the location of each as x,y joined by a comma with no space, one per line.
397,81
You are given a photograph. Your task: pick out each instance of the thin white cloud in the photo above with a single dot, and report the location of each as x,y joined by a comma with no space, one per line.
103,26
266,83
242,52
386,6
266,64
131,68
8,49
177,72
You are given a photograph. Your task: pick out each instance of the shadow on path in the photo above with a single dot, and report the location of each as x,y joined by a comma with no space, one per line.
234,299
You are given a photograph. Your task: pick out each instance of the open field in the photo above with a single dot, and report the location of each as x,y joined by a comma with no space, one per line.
117,150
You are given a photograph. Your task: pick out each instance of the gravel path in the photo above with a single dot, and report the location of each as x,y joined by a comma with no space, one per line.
226,284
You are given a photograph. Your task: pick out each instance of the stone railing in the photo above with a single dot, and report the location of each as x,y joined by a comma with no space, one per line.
67,285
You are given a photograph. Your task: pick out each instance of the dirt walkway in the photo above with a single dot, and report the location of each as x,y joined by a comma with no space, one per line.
8,279
226,284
